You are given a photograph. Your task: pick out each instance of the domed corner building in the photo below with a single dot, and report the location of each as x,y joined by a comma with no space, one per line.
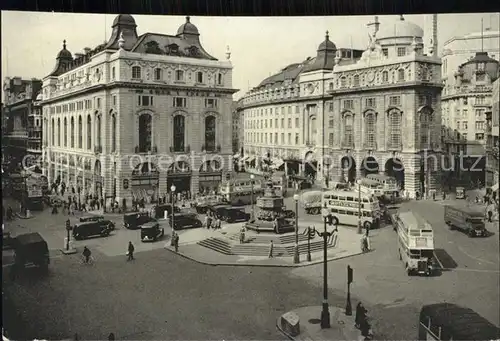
137,114
374,111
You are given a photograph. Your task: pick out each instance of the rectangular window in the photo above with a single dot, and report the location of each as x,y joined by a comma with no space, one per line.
370,102
401,51
145,101
282,138
211,103
289,123
282,123
385,51
179,102
199,77
113,71
98,103
270,123
465,125
114,100
289,138
465,101
480,136
158,74
464,136
296,138
395,100
330,106
297,109
179,75
330,139
348,104
275,138
296,122
331,123
465,113
276,122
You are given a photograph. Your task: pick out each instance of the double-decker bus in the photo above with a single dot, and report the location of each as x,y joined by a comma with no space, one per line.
415,243
345,207
370,187
389,184
239,189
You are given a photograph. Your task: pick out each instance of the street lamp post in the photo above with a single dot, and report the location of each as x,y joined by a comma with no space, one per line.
251,197
325,312
172,193
296,256
359,207
310,234
326,164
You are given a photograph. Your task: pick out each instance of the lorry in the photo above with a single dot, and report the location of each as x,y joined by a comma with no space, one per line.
311,202
466,218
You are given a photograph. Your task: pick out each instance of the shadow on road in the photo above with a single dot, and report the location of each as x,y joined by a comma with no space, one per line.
445,260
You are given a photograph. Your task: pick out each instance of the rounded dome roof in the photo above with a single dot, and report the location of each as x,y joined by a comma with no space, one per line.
187,28
327,45
64,53
124,19
400,28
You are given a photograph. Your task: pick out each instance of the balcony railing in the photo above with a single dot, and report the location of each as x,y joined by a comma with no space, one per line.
310,143
186,149
347,144
370,145
394,146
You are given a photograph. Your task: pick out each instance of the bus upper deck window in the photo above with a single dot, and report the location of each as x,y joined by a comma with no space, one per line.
371,199
365,200
350,199
335,197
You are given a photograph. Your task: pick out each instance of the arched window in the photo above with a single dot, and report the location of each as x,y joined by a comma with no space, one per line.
385,76
370,130
199,77
72,132
425,118
59,132
219,79
401,75
53,133
113,133
210,133
349,131
136,72
145,133
394,130
65,132
80,132
89,132
330,86
98,130
356,80
179,133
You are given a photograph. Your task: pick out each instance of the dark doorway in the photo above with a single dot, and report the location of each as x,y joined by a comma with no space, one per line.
369,165
348,168
394,167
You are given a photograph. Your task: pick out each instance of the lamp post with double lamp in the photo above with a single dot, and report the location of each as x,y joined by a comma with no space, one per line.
172,198
252,177
325,312
296,256
359,207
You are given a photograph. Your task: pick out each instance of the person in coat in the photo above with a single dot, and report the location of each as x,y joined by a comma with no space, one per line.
360,315
130,252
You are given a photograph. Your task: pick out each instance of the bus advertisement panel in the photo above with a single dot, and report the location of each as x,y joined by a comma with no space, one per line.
350,207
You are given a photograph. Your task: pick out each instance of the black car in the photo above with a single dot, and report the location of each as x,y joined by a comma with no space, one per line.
97,218
233,215
30,250
133,221
160,210
186,220
151,232
92,229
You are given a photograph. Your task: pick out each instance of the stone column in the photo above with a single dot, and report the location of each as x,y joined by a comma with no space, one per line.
412,174
195,182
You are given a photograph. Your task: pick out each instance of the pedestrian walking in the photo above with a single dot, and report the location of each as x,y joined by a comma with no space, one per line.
219,224
206,222
130,252
490,215
176,242
111,337
360,315
271,249
242,235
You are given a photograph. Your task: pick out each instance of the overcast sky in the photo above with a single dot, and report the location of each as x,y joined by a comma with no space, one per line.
259,46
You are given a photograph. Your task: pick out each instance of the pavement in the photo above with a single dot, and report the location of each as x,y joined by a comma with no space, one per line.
166,297
341,325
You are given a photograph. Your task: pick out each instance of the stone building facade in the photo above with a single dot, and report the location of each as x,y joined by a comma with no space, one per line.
138,114
376,112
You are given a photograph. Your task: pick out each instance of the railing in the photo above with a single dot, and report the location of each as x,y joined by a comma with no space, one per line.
310,143
347,145
394,146
186,149
63,91
370,145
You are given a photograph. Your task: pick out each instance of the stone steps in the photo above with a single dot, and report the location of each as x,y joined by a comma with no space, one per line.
258,250
216,244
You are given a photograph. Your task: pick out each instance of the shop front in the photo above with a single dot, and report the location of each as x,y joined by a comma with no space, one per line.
144,182
179,174
210,177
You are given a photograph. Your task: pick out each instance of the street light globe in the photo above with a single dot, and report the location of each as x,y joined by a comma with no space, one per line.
172,188
252,176
296,197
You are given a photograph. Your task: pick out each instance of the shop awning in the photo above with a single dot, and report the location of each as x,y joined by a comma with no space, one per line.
277,163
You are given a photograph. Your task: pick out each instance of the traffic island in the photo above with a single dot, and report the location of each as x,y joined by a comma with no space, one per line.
304,324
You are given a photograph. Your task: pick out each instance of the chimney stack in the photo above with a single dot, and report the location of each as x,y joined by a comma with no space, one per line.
86,50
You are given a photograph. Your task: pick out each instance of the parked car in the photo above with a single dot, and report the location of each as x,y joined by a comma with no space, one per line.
31,250
92,229
186,220
133,221
233,214
160,210
151,231
97,218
